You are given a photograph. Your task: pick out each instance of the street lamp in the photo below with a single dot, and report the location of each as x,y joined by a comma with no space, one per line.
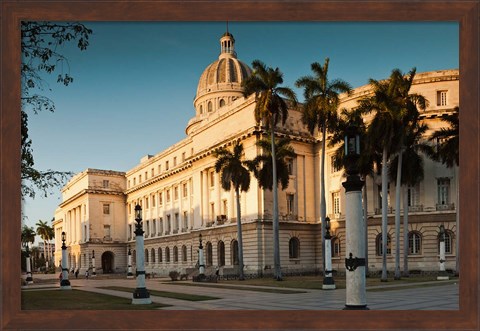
141,294
442,274
328,282
29,278
201,259
354,226
64,283
94,273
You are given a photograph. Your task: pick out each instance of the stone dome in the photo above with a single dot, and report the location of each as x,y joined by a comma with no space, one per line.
221,82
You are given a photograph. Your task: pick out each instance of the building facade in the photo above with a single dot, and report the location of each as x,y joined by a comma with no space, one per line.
181,195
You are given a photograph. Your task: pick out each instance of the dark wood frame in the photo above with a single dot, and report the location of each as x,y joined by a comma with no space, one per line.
464,12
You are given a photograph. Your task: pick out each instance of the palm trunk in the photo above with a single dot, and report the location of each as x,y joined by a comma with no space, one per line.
365,217
398,187
45,249
276,241
405,232
323,209
239,235
384,213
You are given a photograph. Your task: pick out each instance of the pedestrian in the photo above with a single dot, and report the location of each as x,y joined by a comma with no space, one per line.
86,274
76,273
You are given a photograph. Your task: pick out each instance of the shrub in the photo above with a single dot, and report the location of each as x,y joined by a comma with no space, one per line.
174,275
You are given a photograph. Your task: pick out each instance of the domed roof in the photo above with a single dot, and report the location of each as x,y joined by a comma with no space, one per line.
226,73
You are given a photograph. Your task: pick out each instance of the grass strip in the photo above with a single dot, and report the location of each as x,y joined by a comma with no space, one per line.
166,294
78,300
241,288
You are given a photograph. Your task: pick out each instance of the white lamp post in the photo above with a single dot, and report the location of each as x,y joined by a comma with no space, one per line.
201,260
129,267
94,273
442,274
354,226
64,283
141,294
29,278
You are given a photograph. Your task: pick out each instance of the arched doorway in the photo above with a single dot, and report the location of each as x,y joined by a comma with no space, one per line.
107,262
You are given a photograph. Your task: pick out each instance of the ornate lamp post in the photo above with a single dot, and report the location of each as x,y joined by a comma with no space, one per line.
64,283
201,259
354,226
442,274
94,273
141,294
129,267
328,282
29,278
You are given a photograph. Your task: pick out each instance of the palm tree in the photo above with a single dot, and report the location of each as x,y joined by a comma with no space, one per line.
319,111
45,232
383,135
234,171
447,152
412,173
28,235
271,107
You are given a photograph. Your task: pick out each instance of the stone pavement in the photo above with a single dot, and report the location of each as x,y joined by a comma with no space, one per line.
442,296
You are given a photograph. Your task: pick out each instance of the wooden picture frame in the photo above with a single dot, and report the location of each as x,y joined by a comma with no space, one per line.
14,11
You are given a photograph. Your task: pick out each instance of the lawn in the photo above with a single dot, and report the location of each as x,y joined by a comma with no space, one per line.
165,294
77,299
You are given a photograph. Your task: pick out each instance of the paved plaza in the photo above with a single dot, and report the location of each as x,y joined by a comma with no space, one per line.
424,296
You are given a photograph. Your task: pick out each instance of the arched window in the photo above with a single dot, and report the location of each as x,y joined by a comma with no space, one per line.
175,254
167,254
294,248
209,253
234,252
414,243
184,253
160,257
201,109
146,255
209,106
153,255
379,246
448,242
336,247
222,103
221,253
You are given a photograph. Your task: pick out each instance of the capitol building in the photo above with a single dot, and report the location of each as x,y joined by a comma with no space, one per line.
181,196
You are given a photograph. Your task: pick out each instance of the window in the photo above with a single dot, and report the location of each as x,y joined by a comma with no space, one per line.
168,195
175,192
225,207
160,226
441,98
184,253
159,169
220,254
146,255
448,242
212,179
130,231
201,109
177,222
175,254
139,179
336,202
146,175
212,211
333,167
129,183
166,165
129,209
167,254
412,196
209,106
106,231
414,243
160,198
185,190
290,166
154,199
134,181
379,246
154,229
290,204
183,156
147,228
234,252
174,161
153,255
222,103
336,248
106,184
294,248
169,224
209,254
153,172
106,209
185,221
443,187
160,257
146,203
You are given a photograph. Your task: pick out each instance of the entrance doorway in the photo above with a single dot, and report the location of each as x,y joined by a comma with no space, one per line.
107,262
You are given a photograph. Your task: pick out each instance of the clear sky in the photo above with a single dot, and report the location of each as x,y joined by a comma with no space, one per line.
134,86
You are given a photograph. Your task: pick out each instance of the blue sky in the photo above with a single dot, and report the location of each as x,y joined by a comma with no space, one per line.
134,86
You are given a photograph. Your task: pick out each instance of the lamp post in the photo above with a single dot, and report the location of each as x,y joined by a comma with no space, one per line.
29,278
201,259
141,294
64,283
94,273
354,226
328,282
129,267
442,274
